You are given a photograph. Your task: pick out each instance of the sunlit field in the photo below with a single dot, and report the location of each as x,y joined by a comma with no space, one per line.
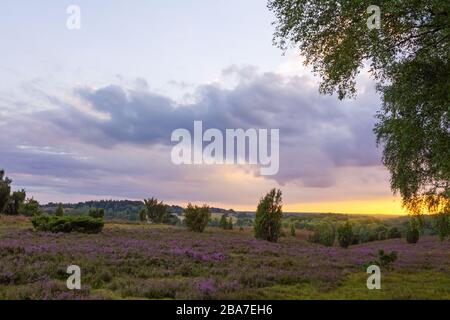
139,261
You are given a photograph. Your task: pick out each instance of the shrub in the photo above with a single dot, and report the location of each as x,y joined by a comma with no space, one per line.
292,230
142,215
345,235
230,224
324,233
83,224
412,232
15,201
59,211
442,225
223,222
356,239
97,213
5,189
382,232
196,217
383,259
412,235
155,210
363,234
267,225
30,208
394,233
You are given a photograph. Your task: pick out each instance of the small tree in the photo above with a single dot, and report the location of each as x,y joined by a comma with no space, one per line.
412,233
382,232
223,222
324,233
384,260
442,225
155,210
267,225
293,230
230,224
345,235
196,217
97,213
16,199
142,215
30,208
60,211
5,190
394,233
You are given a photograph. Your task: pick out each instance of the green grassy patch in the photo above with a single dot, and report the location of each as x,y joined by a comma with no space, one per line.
394,285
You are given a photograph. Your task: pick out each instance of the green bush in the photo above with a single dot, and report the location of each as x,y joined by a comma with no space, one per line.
383,260
394,233
196,217
223,222
324,233
142,215
292,230
267,225
155,210
83,224
59,211
17,198
412,233
386,259
29,208
5,189
230,223
442,225
382,232
345,235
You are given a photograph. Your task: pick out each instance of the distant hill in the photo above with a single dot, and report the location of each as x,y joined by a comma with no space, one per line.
119,209
129,210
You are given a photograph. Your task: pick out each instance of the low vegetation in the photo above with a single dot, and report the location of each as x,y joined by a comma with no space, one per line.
83,224
196,218
148,261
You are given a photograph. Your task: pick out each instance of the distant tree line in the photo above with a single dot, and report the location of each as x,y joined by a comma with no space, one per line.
268,221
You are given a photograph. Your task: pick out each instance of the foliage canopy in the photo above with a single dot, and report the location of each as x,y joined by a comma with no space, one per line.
408,57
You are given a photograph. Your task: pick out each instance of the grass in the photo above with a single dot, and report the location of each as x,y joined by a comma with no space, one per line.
397,285
139,261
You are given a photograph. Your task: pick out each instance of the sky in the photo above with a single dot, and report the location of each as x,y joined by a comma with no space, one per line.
88,114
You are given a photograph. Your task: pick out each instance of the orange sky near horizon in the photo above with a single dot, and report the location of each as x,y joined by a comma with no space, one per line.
388,206
383,206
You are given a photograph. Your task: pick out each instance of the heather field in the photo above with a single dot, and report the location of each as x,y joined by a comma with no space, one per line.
134,261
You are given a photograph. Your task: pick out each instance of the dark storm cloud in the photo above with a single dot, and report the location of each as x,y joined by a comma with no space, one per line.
318,133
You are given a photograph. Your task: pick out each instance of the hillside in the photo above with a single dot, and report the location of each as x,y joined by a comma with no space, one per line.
119,209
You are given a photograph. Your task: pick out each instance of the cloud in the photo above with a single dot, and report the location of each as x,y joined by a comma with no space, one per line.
318,134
